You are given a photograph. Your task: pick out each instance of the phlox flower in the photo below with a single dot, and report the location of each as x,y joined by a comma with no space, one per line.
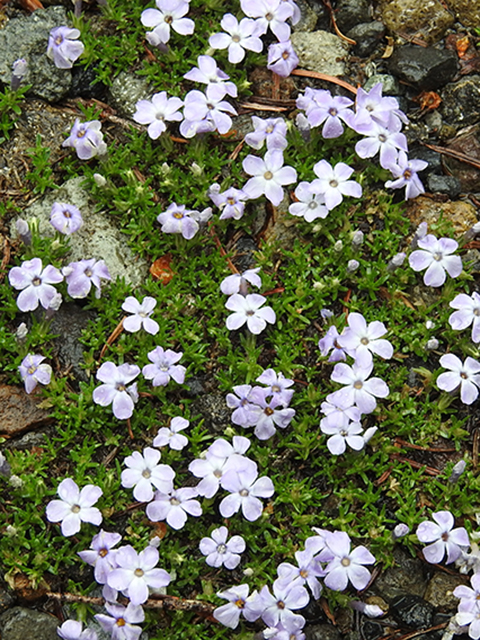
230,202
173,506
176,219
114,389
268,414
270,14
333,183
330,343
282,58
156,111
372,106
245,489
208,73
237,282
277,386
240,401
164,367
239,602
345,565
64,47
87,139
435,256
219,458
101,554
328,110
72,630
466,375
343,432
358,389
443,538
209,106
219,551
468,313
269,176
467,595
171,436
65,218
307,571
122,621
334,406
279,606
469,617
362,339
32,371
237,36
246,309
144,472
388,141
169,14
309,205
141,315
405,173
80,276
136,572
74,506
272,131
35,284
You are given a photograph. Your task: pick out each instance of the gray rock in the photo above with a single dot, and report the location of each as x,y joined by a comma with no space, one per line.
349,13
405,577
214,411
367,35
321,51
7,599
444,184
428,19
461,101
126,90
466,11
99,237
321,632
424,67
20,623
309,18
412,611
391,86
440,588
433,158
27,37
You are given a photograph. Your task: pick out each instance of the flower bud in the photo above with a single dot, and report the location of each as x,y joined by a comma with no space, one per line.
352,265
457,471
338,246
432,344
100,181
21,332
400,531
396,261
358,238
23,231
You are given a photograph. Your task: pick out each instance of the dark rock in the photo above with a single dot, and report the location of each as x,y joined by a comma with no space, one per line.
472,256
412,611
20,623
444,184
84,84
195,387
440,588
461,102
7,599
367,35
433,158
426,68
405,577
245,247
425,20
213,409
19,411
371,629
349,13
321,632
467,142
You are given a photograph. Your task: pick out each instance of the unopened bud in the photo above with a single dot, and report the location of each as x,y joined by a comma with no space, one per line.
400,531
303,126
420,233
100,181
338,246
429,324
23,231
16,482
21,332
19,71
370,610
457,471
248,572
4,466
326,313
352,265
432,344
196,169
358,238
397,261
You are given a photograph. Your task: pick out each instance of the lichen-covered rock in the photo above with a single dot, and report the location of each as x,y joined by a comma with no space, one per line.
427,19
126,90
367,35
461,214
466,11
19,623
321,51
461,101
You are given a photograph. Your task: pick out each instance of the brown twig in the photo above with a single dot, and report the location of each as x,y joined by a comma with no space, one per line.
5,258
129,426
262,107
223,253
413,634
431,471
454,154
324,76
476,438
328,4
112,337
417,447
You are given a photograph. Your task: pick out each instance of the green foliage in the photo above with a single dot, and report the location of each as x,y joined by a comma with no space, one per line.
10,109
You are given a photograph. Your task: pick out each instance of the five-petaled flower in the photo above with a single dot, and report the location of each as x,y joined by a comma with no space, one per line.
64,47
87,139
442,538
74,506
65,218
220,551
32,371
164,367
114,389
466,375
141,315
435,256
269,176
35,284
247,309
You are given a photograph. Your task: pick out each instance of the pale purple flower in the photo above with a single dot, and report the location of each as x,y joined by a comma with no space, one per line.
338,406
136,572
230,202
64,47
464,375
65,218
239,400
333,183
23,231
239,602
307,571
345,565
115,391
247,309
101,554
164,367
19,71
208,72
170,435
269,176
168,15
468,596
330,343
400,530
174,506
273,131
32,371
282,58
380,139
373,106
209,106
144,473
237,36
141,315
309,205
121,623
237,282
405,173
328,110
74,506
342,432
362,339
369,610
443,538
268,415
277,386
457,471
35,284
468,314
80,276
221,552
157,111
270,14
435,256
358,389
279,606
72,630
469,616
177,219
87,139
245,490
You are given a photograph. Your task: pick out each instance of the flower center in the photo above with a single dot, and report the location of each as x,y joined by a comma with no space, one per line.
146,473
437,256
476,311
275,388
445,536
358,384
364,341
217,473
159,116
168,19
174,502
281,604
178,215
76,508
142,314
139,572
344,433
231,201
120,622
88,272
332,111
58,40
164,367
235,38
31,370
221,548
312,204
37,281
244,493
81,133
464,375
268,175
239,603
346,562
120,386
250,313
304,573
382,137
103,552
285,55
268,411
407,174
67,214
269,16
333,184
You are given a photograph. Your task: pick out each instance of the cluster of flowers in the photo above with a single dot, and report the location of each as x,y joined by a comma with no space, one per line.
263,407
326,555
246,307
344,408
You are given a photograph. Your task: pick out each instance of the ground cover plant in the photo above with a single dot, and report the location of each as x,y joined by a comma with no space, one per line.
338,356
